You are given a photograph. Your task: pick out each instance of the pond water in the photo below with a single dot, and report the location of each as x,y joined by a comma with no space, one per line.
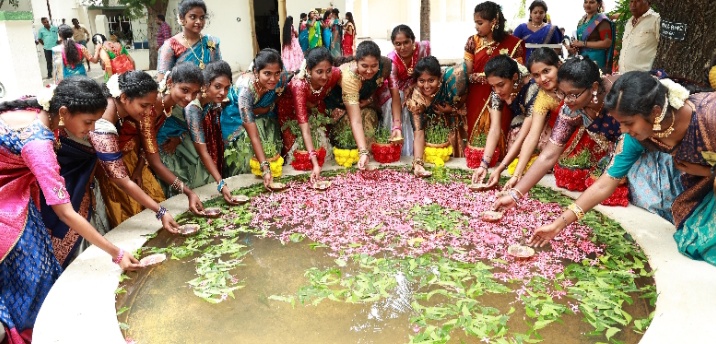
281,270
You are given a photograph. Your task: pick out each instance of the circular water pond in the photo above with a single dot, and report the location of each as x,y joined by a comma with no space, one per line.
384,257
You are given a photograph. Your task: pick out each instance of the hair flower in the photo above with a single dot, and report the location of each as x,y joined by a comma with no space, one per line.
163,84
113,86
45,96
677,94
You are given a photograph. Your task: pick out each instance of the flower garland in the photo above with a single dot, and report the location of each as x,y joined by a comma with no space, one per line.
45,96
113,86
677,94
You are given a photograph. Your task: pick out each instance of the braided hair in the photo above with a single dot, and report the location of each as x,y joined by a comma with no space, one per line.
135,84
78,94
72,54
20,104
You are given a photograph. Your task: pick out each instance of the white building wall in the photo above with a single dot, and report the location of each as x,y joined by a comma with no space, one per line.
19,74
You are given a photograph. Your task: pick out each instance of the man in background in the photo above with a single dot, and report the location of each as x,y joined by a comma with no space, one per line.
164,32
47,36
641,37
80,35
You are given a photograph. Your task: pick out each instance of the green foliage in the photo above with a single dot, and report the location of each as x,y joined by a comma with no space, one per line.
13,3
581,160
382,135
270,149
437,133
479,141
317,122
345,139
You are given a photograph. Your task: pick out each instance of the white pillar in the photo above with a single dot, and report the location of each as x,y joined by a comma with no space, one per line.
365,22
20,72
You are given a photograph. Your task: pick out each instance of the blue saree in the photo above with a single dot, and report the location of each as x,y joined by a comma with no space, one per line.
590,31
548,34
201,53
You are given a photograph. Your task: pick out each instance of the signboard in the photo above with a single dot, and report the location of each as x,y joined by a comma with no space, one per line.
671,30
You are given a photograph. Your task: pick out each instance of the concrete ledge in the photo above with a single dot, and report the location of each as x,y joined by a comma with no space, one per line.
81,307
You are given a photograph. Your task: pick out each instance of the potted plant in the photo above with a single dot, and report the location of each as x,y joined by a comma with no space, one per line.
383,151
275,160
317,123
571,172
437,147
475,150
346,149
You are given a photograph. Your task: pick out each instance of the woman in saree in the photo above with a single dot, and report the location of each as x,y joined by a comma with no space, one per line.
437,97
655,117
78,157
68,57
129,97
190,45
114,56
314,30
406,55
336,34
351,103
349,35
536,110
303,33
250,118
491,40
306,92
583,124
28,166
326,25
537,30
595,36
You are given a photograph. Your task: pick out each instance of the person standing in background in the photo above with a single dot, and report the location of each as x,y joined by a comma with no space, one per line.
641,37
47,36
164,31
80,35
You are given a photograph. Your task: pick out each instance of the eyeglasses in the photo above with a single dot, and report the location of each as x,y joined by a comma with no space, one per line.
571,98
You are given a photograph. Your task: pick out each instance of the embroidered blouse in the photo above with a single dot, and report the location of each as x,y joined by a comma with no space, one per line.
302,94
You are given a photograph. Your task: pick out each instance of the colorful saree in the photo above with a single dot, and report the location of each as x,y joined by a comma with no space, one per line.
184,162
201,53
478,100
28,268
548,34
592,31
352,91
292,54
243,100
336,39
303,36
694,208
349,34
62,68
327,33
314,34
401,80
119,60
133,143
452,92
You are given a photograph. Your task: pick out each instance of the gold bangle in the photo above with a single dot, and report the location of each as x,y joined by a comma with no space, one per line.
519,192
577,210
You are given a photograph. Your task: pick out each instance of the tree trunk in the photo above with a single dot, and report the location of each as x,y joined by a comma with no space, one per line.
687,58
424,20
158,7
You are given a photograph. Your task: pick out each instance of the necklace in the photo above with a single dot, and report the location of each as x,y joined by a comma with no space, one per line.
314,91
164,108
597,112
537,26
668,130
412,62
201,60
484,44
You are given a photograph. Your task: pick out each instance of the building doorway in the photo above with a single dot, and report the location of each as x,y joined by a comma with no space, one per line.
266,25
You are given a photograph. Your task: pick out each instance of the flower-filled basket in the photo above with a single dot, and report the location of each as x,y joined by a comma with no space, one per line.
345,149
476,150
316,123
438,149
572,172
275,160
620,197
383,151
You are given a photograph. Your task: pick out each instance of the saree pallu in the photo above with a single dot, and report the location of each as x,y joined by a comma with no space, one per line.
77,166
303,36
478,99
212,135
452,92
587,31
327,34
173,51
548,34
119,205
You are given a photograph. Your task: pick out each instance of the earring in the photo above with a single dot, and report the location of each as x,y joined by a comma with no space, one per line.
657,121
61,123
203,92
515,85
594,98
308,75
494,26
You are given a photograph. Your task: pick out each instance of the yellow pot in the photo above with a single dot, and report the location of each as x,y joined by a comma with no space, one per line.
275,163
438,155
513,165
346,157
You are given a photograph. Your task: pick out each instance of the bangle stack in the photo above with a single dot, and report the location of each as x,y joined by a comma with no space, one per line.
119,257
418,161
577,210
514,196
486,162
363,152
396,127
312,154
177,185
221,185
161,212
